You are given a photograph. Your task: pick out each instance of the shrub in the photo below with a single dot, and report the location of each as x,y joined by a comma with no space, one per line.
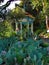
25,52
5,29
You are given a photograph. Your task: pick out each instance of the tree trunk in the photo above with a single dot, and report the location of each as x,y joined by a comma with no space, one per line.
47,23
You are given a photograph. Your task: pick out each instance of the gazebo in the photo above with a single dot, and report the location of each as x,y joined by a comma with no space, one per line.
28,21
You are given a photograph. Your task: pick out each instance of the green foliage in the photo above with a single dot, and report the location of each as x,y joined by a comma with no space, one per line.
30,50
1,60
24,52
16,13
37,32
45,45
46,59
27,52
5,29
6,43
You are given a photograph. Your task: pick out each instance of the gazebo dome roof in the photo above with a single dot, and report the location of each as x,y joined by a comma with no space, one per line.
28,18
29,15
24,20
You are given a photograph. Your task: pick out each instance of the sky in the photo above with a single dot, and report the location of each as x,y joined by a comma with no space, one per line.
12,5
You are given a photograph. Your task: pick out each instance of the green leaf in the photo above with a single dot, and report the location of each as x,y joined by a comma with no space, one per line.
1,61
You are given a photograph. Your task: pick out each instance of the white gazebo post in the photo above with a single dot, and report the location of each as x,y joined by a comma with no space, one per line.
21,27
32,27
28,26
16,26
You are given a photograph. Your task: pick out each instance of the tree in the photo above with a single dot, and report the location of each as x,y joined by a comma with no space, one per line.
3,7
31,7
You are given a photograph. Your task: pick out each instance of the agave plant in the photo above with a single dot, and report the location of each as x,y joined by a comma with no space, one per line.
27,52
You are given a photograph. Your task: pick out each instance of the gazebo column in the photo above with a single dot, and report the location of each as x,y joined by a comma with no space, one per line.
32,28
28,26
16,26
27,29
21,27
